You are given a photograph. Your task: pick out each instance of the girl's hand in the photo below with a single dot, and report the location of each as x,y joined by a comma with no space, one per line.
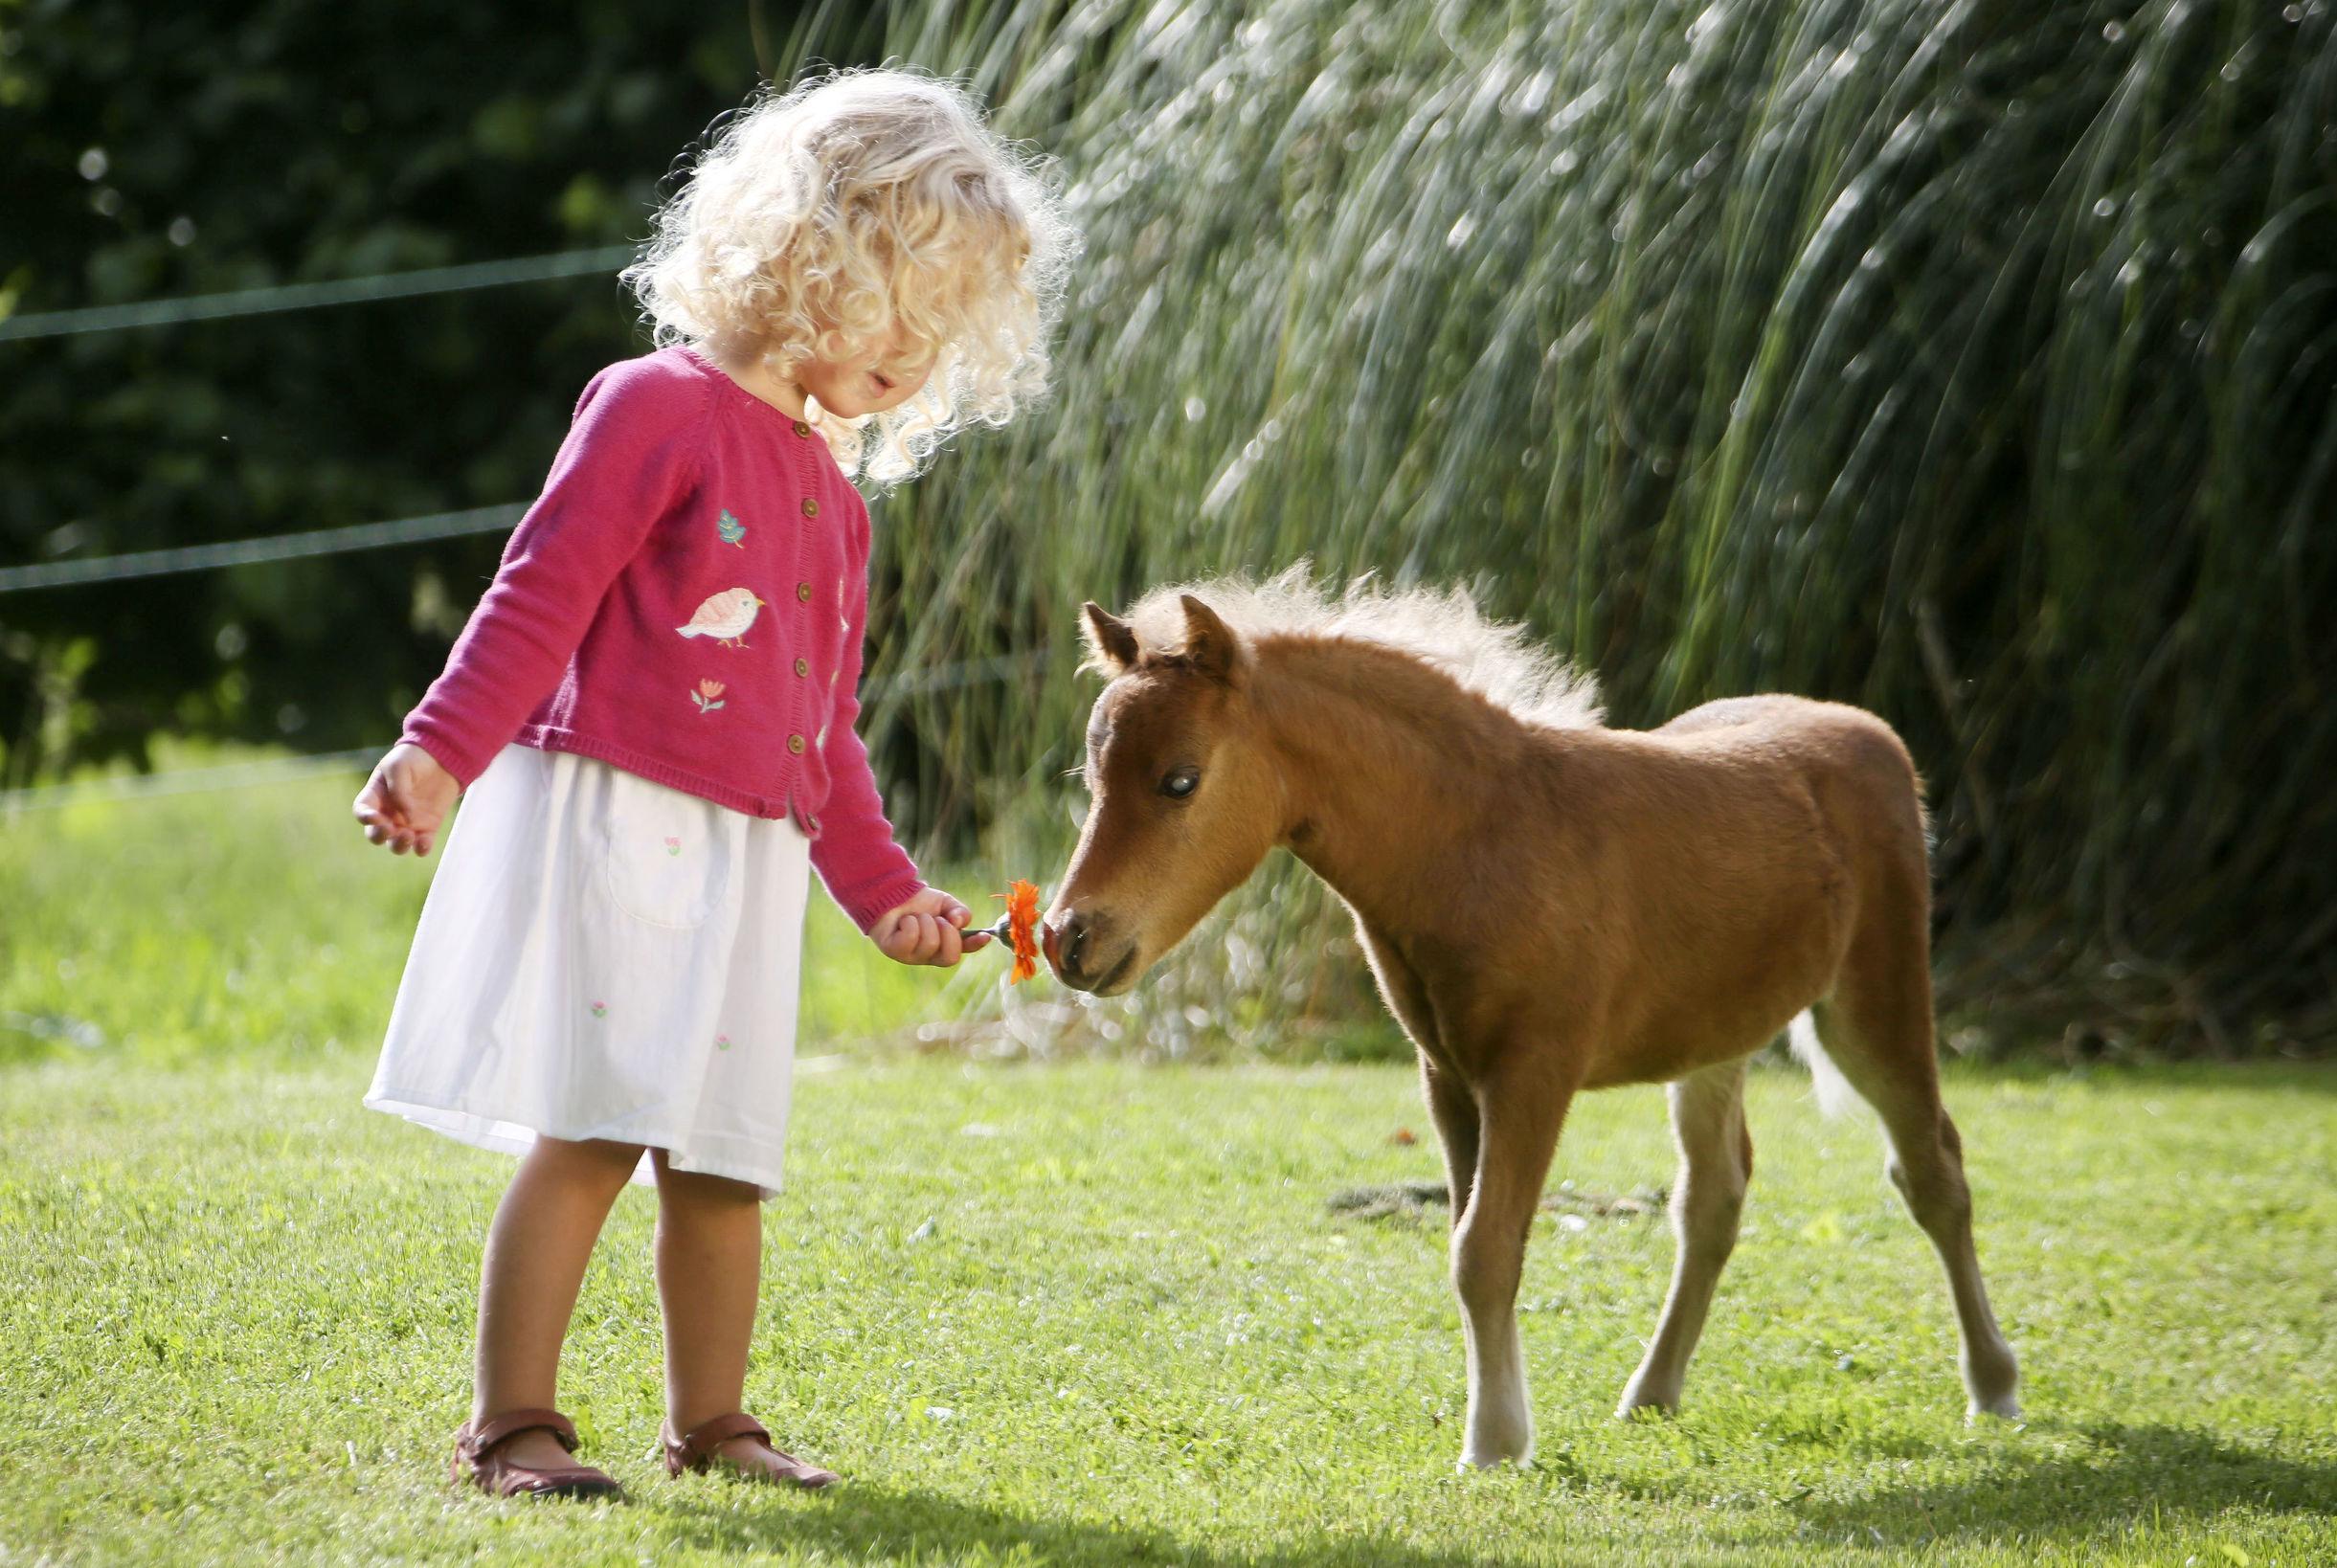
926,929
407,799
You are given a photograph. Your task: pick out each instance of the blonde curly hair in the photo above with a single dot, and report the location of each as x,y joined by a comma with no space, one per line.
858,204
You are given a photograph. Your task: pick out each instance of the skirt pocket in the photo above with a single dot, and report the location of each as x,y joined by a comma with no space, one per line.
666,857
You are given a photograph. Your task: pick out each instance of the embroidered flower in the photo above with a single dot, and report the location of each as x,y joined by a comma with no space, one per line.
673,845
707,695
722,1042
731,529
600,1010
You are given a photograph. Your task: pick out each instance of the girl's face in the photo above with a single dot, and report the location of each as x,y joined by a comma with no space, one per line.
873,381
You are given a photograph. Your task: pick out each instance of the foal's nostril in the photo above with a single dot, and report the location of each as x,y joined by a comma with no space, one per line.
1067,943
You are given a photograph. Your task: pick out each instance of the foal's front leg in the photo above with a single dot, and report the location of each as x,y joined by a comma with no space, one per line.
1519,1113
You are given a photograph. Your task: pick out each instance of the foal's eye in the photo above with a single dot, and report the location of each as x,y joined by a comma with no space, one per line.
1181,783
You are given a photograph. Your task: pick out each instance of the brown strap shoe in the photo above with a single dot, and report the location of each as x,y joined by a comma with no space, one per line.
694,1450
499,1477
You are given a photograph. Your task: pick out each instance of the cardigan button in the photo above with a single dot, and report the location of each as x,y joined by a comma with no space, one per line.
811,507
804,666
802,429
795,745
811,822
804,591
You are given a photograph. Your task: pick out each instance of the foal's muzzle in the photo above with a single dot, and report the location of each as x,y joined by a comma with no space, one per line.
1085,954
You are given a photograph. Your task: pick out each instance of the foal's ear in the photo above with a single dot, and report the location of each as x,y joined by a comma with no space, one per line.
1209,643
1112,642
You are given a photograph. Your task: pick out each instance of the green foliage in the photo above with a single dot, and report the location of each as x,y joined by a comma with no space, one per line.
152,153
1970,362
1100,1314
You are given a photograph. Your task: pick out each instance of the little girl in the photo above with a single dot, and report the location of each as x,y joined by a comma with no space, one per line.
650,716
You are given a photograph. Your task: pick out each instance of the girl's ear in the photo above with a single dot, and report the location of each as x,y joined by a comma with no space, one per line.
1112,642
1210,644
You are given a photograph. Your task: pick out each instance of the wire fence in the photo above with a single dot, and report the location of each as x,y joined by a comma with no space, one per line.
341,291
282,546
203,307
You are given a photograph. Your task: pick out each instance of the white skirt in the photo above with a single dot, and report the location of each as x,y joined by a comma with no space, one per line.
604,957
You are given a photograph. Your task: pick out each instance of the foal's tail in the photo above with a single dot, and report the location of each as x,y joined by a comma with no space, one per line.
1835,1096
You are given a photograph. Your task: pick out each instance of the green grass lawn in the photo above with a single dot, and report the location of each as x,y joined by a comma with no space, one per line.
1099,1313
1094,1313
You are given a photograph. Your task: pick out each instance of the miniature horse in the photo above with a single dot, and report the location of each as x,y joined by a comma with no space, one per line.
1549,905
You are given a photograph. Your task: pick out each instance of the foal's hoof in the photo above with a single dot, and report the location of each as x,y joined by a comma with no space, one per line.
2004,1408
1647,1398
1491,1458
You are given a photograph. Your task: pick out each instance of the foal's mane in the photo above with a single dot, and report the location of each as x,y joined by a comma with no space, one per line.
1442,628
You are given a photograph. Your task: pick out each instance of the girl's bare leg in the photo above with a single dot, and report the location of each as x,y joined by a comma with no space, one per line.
536,1250
710,1250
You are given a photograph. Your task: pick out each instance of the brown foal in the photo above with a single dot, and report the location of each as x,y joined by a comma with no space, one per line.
1549,905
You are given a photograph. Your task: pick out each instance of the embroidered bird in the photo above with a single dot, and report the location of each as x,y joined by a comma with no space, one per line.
733,530
725,618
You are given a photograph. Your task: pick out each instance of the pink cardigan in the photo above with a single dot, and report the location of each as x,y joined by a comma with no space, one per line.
686,601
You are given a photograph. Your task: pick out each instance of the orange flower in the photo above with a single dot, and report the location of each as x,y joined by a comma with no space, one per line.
1023,926
710,688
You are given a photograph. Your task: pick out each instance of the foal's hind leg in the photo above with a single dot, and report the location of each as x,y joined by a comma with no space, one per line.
1716,1161
1878,1030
